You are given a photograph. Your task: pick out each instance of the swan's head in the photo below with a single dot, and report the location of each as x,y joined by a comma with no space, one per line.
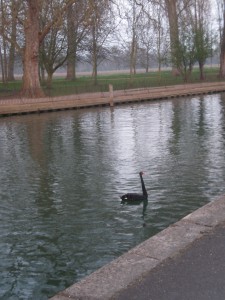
141,173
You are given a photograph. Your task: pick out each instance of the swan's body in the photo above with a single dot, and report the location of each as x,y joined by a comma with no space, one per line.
134,198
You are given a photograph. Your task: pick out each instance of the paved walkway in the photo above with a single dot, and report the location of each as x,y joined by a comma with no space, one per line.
183,262
26,105
198,273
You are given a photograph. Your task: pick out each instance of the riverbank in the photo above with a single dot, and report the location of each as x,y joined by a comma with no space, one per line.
185,243
16,106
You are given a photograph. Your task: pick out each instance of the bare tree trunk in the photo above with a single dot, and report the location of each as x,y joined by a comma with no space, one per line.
31,83
41,63
71,75
201,69
133,52
10,75
147,65
222,52
2,65
4,61
1,57
94,66
42,72
49,80
11,62
133,55
94,56
159,63
174,33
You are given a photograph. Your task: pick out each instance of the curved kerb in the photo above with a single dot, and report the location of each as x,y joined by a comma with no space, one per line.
112,278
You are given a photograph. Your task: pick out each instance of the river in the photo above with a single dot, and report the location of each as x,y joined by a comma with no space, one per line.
61,175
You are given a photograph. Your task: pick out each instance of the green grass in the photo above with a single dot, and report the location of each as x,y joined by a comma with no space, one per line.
85,84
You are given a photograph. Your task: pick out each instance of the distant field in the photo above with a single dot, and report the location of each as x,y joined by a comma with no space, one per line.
121,80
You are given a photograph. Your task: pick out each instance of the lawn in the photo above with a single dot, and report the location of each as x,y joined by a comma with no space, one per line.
61,86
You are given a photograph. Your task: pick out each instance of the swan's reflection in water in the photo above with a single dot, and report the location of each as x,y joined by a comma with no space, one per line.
145,204
137,203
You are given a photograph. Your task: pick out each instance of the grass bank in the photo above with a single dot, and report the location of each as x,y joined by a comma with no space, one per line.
61,86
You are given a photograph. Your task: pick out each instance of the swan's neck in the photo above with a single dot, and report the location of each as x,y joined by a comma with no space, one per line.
143,187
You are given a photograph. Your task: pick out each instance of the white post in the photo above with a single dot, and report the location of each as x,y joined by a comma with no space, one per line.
111,95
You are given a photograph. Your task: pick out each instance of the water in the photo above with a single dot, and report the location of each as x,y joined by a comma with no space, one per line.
61,175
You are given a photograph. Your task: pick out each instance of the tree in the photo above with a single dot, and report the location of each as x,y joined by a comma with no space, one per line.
160,37
101,25
33,39
189,34
152,31
14,8
130,13
53,51
71,36
201,31
31,83
171,7
185,50
119,57
133,22
4,47
181,37
222,46
135,16
77,28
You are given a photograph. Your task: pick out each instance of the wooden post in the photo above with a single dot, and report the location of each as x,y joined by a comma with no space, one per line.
111,95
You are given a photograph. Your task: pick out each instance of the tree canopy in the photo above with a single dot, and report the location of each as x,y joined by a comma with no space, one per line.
49,34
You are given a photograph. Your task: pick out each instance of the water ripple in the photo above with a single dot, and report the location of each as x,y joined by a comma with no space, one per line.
61,176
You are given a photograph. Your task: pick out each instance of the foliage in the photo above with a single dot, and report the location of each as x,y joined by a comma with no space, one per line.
129,32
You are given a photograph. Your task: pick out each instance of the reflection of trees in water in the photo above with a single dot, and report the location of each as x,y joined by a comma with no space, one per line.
40,139
175,128
201,130
48,147
196,137
187,118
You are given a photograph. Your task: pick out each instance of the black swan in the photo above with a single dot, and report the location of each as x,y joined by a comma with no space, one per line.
134,198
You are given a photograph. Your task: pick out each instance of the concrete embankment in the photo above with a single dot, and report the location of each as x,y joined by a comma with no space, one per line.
24,105
120,278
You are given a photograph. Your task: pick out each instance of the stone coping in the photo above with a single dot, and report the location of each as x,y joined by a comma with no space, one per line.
16,106
112,278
